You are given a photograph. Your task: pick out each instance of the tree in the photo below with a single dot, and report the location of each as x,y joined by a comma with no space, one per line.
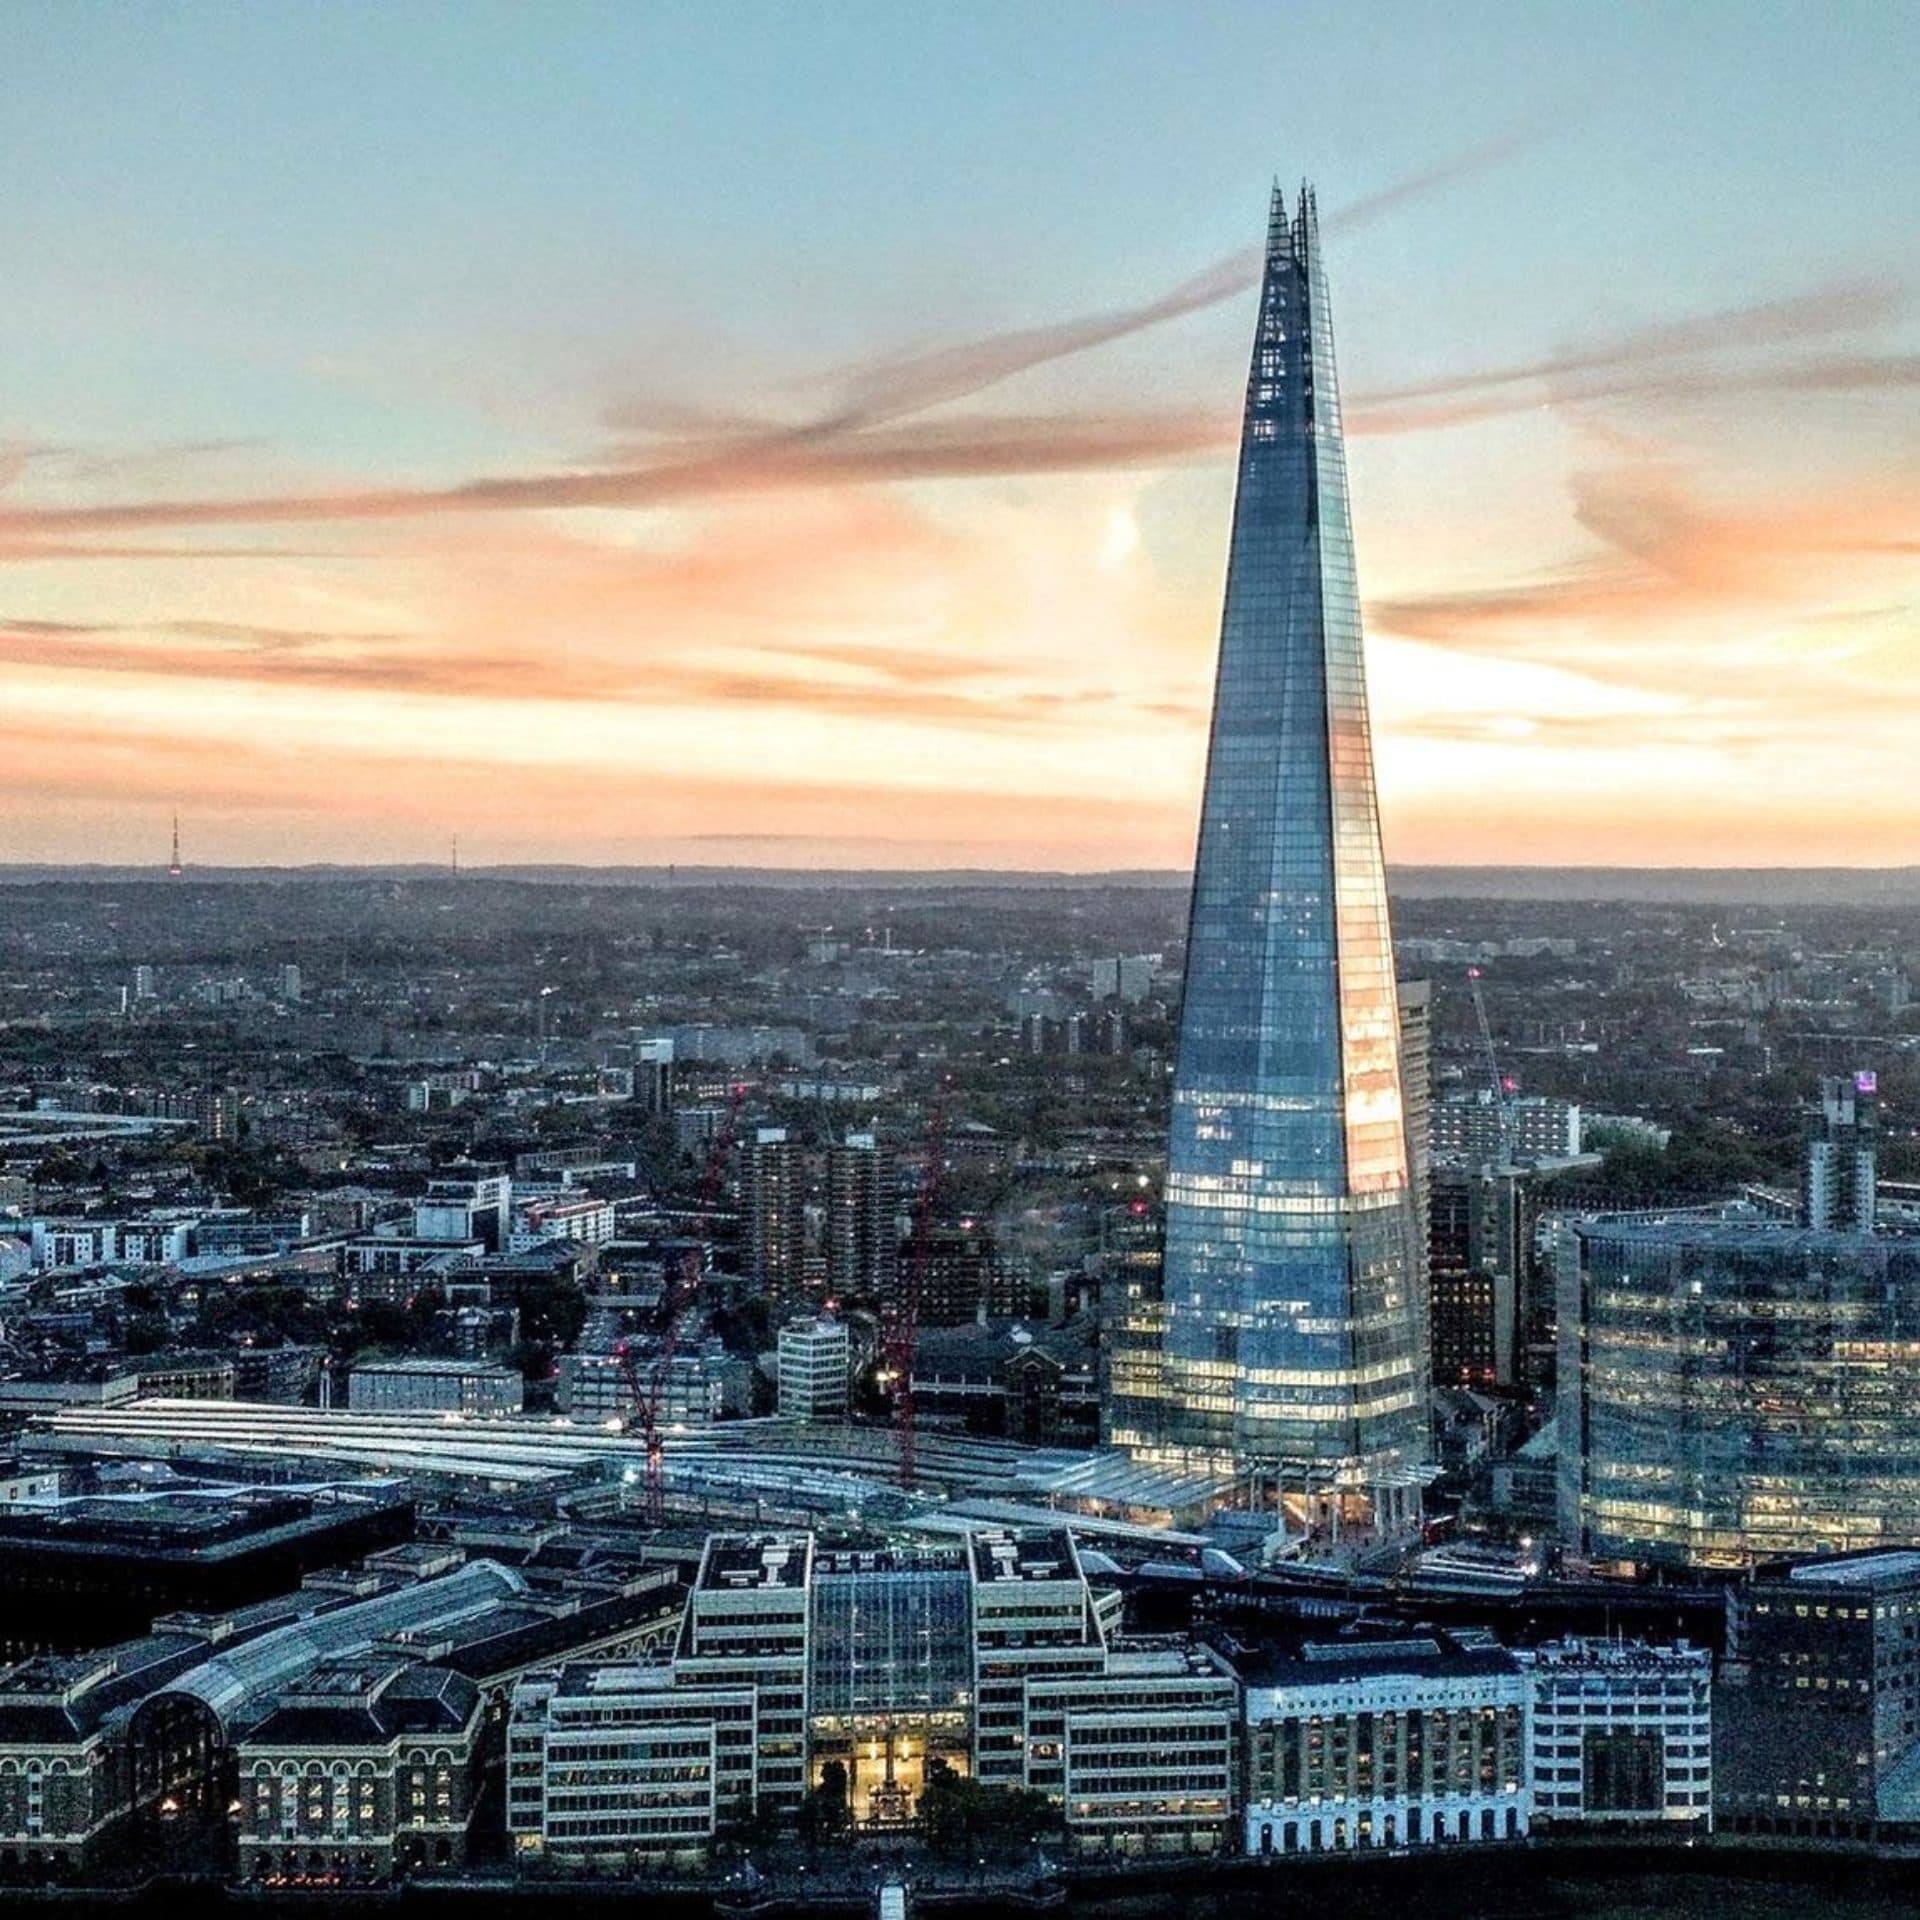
825,1813
959,1815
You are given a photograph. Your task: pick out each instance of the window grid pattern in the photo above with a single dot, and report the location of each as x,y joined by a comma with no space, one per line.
1292,1330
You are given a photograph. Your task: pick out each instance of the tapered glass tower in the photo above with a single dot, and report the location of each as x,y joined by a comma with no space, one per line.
1292,1333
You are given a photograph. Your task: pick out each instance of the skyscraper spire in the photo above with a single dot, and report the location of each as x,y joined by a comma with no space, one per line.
1291,1330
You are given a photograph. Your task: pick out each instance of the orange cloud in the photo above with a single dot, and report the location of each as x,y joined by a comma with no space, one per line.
1665,555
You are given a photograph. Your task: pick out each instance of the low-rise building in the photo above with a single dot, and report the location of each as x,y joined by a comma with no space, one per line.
578,1218
1412,1741
1622,1734
434,1386
364,1768
333,1733
815,1365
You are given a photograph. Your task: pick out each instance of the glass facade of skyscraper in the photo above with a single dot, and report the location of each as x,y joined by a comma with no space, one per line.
1292,1332
1730,1391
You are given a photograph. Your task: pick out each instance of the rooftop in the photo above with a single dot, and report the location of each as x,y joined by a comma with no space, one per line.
430,1365
737,1562
1437,1654
1047,1555
1897,1567
1746,1236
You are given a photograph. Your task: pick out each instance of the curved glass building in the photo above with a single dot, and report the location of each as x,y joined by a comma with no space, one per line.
1731,1390
1292,1333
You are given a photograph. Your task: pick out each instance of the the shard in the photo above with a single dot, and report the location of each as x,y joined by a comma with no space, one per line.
1291,1330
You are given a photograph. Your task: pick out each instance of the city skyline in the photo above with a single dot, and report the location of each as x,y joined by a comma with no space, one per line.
613,436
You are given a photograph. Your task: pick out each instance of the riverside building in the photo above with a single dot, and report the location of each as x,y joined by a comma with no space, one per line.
1622,1734
1818,1710
1357,1745
884,1667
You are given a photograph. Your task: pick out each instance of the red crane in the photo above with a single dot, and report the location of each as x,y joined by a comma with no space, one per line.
900,1329
682,1289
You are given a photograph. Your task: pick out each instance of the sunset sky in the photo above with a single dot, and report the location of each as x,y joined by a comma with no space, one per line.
803,434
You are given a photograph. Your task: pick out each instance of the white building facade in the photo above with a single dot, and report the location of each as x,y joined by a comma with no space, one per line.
1622,1734
816,1361
1356,1746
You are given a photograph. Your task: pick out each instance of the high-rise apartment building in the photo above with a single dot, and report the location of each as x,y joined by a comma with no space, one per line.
860,1230
774,1180
1478,1127
1293,1328
1842,1158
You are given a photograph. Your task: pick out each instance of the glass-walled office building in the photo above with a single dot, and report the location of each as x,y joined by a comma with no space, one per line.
1732,1390
1292,1331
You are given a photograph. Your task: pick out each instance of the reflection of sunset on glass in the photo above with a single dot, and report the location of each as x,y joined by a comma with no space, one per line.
619,442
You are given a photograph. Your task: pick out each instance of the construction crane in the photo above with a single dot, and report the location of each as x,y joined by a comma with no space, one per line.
682,1288
1498,1085
900,1328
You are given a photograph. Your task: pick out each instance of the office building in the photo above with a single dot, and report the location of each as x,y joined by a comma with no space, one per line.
693,1384
1415,1741
815,1367
434,1386
615,1769
1622,1734
1842,1155
1479,1264
363,1769
1133,1322
1817,1713
653,1075
1293,1331
462,1207
1733,1390
878,1668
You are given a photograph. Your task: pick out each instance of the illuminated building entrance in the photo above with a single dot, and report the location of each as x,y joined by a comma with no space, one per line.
890,1677
885,1760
